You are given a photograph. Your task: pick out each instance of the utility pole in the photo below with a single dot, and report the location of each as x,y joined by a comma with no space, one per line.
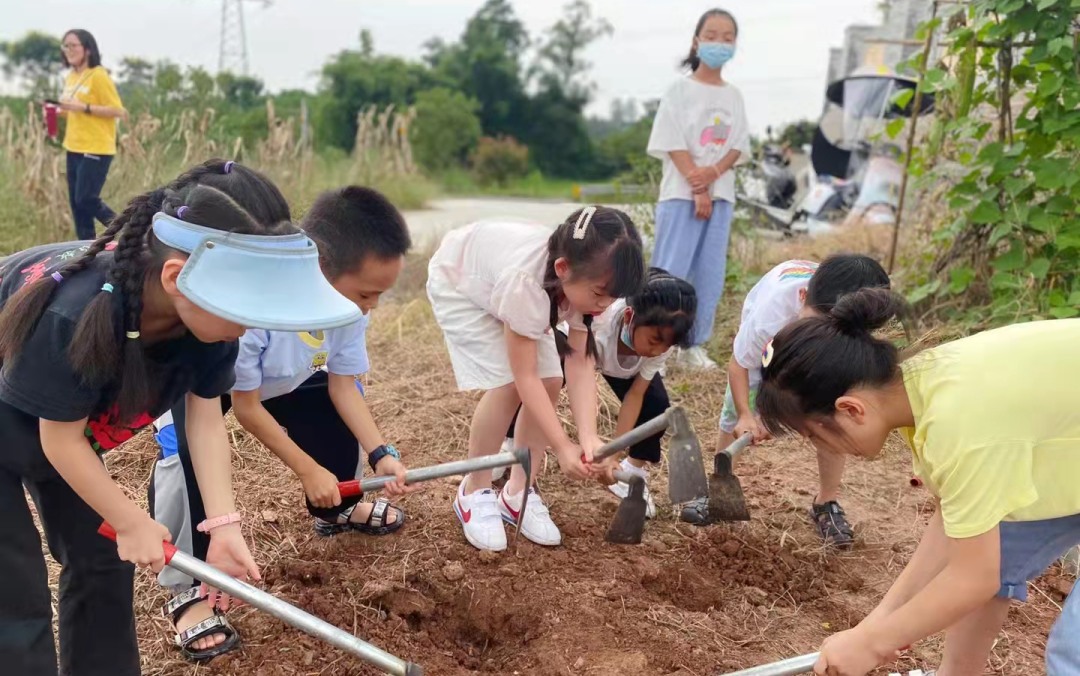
233,53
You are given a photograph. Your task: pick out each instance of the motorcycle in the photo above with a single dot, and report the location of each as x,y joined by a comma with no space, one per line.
856,170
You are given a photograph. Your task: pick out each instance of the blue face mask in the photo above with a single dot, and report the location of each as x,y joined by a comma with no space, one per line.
627,335
715,54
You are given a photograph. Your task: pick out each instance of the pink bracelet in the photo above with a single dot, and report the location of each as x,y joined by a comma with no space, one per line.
218,521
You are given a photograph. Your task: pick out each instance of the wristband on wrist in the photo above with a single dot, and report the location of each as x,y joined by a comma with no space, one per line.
218,522
88,109
381,452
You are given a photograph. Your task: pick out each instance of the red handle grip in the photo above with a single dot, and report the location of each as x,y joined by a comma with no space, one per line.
349,489
110,532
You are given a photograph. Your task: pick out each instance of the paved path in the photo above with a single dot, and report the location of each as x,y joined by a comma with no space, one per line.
428,225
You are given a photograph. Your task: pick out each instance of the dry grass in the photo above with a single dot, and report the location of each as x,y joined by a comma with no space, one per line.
152,151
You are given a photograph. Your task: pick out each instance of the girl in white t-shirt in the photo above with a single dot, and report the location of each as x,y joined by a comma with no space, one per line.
635,337
498,291
790,291
700,133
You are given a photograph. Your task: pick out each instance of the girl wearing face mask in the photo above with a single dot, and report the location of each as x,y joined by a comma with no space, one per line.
700,133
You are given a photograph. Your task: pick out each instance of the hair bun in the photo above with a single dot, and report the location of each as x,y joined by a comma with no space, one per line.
866,310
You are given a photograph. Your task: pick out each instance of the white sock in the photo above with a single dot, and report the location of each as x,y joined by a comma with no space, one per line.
633,469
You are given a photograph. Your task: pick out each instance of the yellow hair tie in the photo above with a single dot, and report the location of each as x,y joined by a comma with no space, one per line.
133,334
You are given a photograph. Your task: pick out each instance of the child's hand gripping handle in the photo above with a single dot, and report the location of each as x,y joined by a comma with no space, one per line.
282,610
634,436
110,532
356,487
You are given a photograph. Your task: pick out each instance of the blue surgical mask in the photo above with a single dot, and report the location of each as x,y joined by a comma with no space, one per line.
627,335
715,54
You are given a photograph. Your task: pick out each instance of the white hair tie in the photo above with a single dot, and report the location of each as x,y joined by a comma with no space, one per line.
583,221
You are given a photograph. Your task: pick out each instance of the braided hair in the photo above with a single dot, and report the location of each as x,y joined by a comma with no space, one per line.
609,249
666,301
216,194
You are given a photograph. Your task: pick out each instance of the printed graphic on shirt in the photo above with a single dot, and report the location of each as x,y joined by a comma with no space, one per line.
799,270
315,340
105,433
716,133
47,266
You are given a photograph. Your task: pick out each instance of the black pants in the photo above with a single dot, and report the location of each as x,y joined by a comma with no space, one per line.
307,414
86,177
653,404
97,621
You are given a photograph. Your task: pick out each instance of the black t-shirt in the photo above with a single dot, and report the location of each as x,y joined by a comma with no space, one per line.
40,383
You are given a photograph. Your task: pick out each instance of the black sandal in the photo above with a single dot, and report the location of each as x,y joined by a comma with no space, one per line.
218,624
376,523
832,524
695,512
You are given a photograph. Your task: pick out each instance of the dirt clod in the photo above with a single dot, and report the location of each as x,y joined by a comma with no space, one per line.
453,571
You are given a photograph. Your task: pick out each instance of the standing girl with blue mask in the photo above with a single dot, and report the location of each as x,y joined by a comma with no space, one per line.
498,290
700,133
98,339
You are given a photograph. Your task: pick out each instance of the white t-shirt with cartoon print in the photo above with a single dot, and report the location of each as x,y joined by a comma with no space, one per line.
607,329
771,305
278,362
706,120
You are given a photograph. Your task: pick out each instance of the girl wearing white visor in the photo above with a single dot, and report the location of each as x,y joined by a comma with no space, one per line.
96,341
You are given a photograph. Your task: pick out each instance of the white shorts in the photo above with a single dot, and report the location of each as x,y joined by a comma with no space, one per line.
476,339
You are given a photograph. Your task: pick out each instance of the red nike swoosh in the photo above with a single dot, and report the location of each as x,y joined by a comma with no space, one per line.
513,512
466,515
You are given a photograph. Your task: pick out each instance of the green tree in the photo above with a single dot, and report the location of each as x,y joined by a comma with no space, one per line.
240,90
446,128
353,80
486,65
562,53
34,58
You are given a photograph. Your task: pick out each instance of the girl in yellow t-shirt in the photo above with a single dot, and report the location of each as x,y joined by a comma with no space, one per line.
993,422
92,106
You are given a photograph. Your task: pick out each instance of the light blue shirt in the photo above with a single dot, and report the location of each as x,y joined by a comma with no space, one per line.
277,362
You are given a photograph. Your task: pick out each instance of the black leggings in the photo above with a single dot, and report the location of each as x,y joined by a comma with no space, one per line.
653,404
308,415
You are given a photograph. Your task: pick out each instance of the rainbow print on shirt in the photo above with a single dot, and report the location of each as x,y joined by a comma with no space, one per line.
799,270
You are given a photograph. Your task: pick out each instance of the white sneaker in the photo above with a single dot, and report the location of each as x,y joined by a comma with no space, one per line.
537,525
622,489
479,516
695,359
507,447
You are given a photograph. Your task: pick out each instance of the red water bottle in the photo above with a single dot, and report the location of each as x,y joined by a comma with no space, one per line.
51,125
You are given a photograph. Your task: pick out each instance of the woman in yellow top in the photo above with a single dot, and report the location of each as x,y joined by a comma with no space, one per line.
92,107
993,422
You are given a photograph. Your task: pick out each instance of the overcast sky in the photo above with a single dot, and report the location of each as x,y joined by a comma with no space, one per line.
780,66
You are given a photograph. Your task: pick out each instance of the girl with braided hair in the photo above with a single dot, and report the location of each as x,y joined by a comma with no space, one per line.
96,341
498,290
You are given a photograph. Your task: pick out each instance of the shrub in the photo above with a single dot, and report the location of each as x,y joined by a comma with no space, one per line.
446,129
498,160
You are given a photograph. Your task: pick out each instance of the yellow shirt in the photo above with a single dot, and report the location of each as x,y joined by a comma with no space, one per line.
91,134
997,425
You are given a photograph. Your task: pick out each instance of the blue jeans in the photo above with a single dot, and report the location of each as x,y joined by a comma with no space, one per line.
86,177
1027,549
695,250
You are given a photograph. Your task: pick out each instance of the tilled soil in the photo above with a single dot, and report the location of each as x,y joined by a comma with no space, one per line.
688,601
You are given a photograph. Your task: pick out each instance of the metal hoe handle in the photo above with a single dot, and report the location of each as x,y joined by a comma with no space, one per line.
351,488
286,612
802,664
739,445
636,435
